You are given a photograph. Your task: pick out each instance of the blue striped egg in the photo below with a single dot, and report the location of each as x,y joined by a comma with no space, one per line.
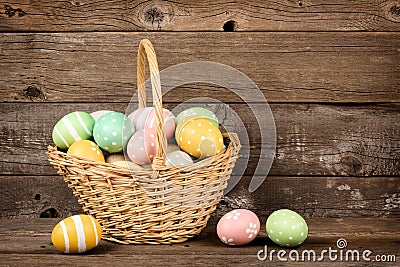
73,127
77,234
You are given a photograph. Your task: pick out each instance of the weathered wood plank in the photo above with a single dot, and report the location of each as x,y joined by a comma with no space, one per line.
288,67
45,197
319,227
28,243
182,260
49,196
255,15
312,139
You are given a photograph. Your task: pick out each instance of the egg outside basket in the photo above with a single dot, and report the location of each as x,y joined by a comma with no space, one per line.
161,205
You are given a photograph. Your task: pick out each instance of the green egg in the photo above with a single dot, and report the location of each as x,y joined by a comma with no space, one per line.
112,132
286,228
73,127
197,111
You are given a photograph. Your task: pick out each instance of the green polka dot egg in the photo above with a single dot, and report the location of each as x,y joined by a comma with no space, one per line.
197,111
199,137
73,127
112,132
286,228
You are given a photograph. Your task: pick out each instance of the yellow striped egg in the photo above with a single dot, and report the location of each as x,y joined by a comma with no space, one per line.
76,234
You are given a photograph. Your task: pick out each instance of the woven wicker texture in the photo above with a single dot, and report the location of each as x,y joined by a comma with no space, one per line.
161,205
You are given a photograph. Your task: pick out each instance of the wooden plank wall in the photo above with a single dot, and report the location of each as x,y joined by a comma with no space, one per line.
330,71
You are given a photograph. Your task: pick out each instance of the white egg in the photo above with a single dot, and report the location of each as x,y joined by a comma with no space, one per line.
127,164
178,158
115,157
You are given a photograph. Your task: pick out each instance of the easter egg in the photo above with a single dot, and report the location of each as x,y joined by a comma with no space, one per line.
73,127
127,164
97,114
140,150
169,122
112,131
145,118
182,123
178,158
286,228
238,227
76,234
86,149
115,157
197,111
139,116
200,138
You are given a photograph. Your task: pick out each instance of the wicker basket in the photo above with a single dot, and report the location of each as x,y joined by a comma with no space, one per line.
161,205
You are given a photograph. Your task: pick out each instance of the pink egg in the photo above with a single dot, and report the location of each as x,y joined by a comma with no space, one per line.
142,147
145,118
169,122
238,227
138,149
150,140
138,117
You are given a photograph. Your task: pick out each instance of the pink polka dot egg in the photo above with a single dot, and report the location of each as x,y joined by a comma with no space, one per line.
142,147
238,227
144,118
139,116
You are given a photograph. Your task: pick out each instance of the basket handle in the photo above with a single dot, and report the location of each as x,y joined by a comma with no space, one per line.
147,49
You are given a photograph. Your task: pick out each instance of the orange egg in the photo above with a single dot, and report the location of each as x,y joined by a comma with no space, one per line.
77,234
182,123
86,149
200,138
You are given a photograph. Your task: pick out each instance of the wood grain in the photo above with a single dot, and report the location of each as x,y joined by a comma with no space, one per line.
330,72
28,243
254,15
361,140
321,227
287,67
37,197
49,196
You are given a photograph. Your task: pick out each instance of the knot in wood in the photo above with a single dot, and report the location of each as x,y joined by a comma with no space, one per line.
75,3
49,213
230,26
154,16
33,92
11,12
393,12
351,165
